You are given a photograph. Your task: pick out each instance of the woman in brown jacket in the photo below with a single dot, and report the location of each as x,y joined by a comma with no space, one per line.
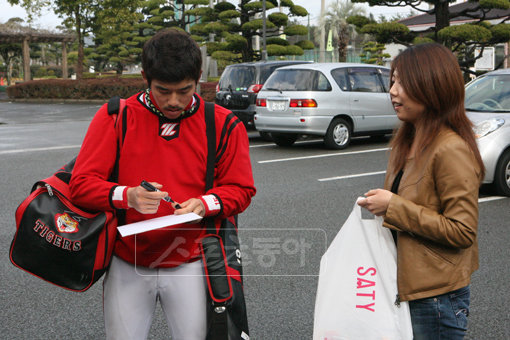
430,200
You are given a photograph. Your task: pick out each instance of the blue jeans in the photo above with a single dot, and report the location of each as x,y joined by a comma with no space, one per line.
441,317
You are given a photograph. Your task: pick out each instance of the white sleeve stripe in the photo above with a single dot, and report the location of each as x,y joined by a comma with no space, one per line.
212,202
118,193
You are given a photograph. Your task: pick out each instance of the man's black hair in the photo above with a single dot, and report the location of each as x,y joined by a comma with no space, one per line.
171,56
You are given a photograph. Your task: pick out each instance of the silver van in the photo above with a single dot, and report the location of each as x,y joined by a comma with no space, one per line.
333,100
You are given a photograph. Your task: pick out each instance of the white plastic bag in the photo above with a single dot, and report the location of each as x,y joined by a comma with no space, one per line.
358,285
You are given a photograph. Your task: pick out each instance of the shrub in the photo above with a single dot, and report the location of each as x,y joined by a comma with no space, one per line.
208,90
104,88
76,89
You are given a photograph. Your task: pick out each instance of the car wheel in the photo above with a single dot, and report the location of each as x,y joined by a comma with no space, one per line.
284,139
502,175
338,135
265,136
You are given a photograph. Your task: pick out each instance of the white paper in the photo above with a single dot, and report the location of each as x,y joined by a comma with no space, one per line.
156,223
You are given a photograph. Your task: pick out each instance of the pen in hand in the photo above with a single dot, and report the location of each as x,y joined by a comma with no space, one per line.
149,187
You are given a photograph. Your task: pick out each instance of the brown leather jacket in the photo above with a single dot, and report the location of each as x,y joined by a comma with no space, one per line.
436,216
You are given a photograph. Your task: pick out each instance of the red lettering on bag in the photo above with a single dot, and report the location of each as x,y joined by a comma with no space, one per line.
49,236
364,283
366,294
76,245
54,239
38,226
44,231
57,241
367,307
66,244
371,269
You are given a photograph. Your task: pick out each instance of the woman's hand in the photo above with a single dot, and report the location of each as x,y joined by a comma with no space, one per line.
376,201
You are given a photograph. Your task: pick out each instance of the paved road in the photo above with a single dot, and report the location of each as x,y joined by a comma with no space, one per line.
304,194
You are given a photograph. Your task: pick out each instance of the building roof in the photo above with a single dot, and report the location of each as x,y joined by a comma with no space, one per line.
424,21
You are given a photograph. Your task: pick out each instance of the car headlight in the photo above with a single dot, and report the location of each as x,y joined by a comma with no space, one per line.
487,126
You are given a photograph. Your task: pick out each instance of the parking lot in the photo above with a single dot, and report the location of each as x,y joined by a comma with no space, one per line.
304,194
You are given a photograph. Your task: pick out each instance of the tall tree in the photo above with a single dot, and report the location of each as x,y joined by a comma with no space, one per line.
160,14
462,39
235,29
336,20
116,38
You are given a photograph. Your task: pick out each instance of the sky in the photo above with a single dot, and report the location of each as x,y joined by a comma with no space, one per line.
49,20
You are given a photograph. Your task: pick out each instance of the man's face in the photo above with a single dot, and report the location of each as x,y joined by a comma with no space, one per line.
173,98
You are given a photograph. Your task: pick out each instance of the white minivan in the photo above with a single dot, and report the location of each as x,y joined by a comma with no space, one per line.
333,100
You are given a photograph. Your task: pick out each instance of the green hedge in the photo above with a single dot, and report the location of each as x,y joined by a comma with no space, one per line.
76,89
88,88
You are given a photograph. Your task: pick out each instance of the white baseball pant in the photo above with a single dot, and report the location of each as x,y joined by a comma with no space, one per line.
130,295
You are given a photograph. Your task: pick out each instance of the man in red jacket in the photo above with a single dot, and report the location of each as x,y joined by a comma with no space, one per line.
165,143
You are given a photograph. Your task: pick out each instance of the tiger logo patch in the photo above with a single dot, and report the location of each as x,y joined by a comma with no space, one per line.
65,223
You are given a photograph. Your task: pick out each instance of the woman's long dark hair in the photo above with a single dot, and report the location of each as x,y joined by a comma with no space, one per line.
430,75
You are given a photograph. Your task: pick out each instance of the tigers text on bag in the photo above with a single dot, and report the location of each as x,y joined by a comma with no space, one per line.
357,286
57,241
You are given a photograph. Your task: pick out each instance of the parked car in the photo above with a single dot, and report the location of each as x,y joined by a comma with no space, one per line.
334,100
488,106
239,84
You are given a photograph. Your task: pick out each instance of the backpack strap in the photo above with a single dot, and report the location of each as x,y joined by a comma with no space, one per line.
117,107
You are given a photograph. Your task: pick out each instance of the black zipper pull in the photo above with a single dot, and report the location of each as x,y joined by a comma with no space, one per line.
397,301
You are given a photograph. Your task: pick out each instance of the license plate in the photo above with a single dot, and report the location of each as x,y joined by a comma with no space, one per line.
278,105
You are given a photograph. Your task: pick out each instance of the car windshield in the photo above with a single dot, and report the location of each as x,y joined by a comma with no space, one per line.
297,80
489,94
237,78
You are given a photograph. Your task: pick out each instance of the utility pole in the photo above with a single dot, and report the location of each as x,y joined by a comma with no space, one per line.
211,35
322,56
308,26
264,50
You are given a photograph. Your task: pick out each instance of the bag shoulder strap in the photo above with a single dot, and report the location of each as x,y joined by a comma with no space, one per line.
210,130
117,106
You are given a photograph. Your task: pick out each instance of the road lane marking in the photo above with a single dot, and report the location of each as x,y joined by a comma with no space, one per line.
261,145
352,176
491,198
321,155
273,144
40,149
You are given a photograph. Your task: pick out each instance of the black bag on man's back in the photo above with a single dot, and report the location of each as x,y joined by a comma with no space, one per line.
59,242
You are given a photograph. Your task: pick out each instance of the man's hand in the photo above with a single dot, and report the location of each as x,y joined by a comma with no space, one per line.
376,201
192,205
143,201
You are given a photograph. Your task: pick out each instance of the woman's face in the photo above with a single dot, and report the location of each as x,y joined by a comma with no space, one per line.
407,109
